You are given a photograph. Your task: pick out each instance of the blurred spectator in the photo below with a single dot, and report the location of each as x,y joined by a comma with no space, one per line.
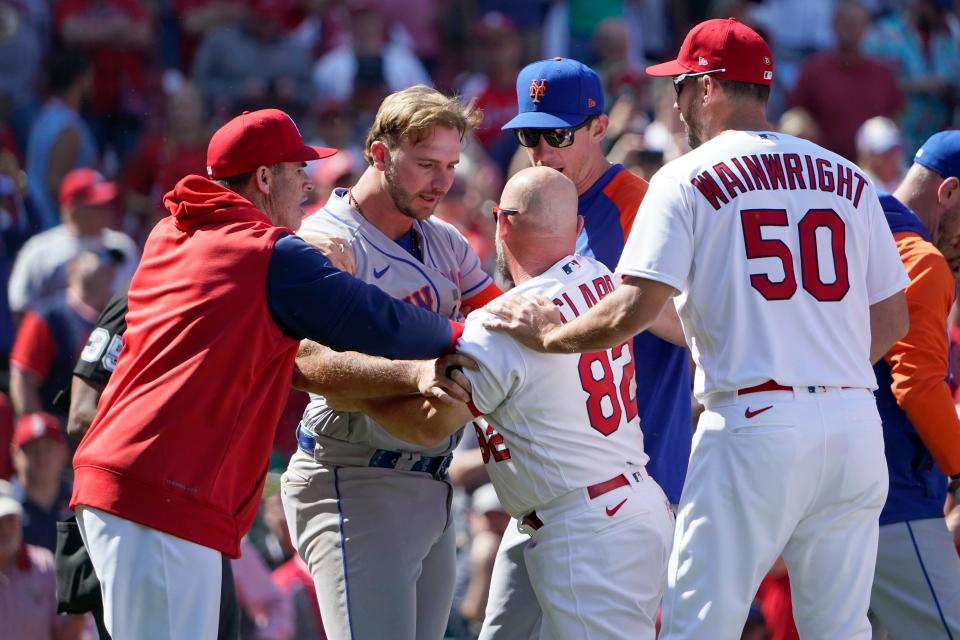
795,30
28,602
197,17
164,157
341,170
370,66
412,22
53,333
842,88
880,152
798,122
39,453
88,211
14,230
487,522
776,604
118,37
24,33
527,16
60,139
335,125
6,436
570,25
292,576
266,610
255,64
916,42
497,54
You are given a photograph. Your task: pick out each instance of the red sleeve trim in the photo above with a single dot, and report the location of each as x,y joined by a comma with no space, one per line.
33,348
489,293
456,330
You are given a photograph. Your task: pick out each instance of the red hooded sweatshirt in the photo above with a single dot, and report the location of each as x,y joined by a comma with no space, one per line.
183,431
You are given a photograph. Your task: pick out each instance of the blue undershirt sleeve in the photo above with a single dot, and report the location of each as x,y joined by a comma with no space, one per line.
309,298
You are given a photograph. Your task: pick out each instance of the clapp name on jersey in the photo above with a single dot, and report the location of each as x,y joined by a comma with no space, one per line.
600,287
771,171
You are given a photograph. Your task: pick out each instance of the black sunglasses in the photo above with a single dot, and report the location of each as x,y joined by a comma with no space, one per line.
497,209
556,138
678,80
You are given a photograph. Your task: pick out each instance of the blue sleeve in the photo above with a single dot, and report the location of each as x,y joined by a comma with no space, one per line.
309,298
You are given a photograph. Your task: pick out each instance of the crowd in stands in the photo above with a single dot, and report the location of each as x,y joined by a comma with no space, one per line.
106,104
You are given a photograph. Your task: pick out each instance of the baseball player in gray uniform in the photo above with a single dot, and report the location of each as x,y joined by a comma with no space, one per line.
369,513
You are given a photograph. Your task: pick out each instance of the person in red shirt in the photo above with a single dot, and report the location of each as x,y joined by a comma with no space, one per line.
843,88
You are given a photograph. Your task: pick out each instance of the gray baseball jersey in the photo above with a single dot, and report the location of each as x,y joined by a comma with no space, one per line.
449,274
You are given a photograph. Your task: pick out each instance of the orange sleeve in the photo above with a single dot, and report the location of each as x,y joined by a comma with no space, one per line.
33,348
918,362
484,296
626,191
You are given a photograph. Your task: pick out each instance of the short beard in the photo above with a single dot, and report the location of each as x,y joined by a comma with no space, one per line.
401,197
502,270
692,123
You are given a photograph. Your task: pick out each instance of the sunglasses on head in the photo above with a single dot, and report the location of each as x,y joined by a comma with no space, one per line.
556,138
678,80
497,209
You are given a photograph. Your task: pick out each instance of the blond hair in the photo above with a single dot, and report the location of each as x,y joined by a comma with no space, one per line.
411,114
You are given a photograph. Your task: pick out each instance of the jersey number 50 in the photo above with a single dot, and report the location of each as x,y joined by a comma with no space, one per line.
608,401
759,247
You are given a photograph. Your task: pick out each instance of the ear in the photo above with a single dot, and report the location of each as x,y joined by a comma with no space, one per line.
708,87
263,179
948,193
579,224
380,153
598,128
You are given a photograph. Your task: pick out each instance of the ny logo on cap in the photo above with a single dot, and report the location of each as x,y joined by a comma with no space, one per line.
537,91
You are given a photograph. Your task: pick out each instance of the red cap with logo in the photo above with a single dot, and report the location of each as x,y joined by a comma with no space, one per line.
258,138
36,425
88,187
722,44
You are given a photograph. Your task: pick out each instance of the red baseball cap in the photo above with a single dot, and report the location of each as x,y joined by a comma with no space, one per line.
719,44
86,186
256,138
36,425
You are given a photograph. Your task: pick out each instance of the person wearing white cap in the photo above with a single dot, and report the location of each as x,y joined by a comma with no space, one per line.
28,603
880,152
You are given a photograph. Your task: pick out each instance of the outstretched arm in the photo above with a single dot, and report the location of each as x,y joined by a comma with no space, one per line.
632,308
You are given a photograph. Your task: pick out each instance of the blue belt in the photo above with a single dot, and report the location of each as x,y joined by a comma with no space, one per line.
435,466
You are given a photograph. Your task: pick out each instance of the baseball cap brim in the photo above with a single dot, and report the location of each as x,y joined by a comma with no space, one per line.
541,120
308,153
671,68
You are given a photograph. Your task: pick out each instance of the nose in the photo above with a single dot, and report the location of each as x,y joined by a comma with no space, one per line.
541,152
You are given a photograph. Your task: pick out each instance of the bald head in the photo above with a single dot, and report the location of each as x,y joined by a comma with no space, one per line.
546,224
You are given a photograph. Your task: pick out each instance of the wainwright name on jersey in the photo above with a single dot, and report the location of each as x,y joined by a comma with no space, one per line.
783,298
553,423
449,273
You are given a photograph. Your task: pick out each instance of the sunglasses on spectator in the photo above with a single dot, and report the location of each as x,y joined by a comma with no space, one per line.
678,81
497,209
556,138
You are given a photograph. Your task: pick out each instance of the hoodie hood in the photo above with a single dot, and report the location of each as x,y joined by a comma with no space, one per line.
197,202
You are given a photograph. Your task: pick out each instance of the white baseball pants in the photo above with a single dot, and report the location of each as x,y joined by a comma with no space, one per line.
799,473
916,591
155,586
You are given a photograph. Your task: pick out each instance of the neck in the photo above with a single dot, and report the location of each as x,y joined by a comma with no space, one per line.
923,207
748,119
597,168
534,263
372,200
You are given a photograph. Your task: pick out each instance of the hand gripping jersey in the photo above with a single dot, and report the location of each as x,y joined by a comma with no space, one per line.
553,423
449,275
778,248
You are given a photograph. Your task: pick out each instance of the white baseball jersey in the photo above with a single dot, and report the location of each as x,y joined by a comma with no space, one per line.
778,248
553,423
450,272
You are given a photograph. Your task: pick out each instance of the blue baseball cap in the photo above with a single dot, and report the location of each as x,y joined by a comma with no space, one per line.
941,153
555,94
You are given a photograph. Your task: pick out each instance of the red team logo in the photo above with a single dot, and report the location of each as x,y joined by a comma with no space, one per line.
537,91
